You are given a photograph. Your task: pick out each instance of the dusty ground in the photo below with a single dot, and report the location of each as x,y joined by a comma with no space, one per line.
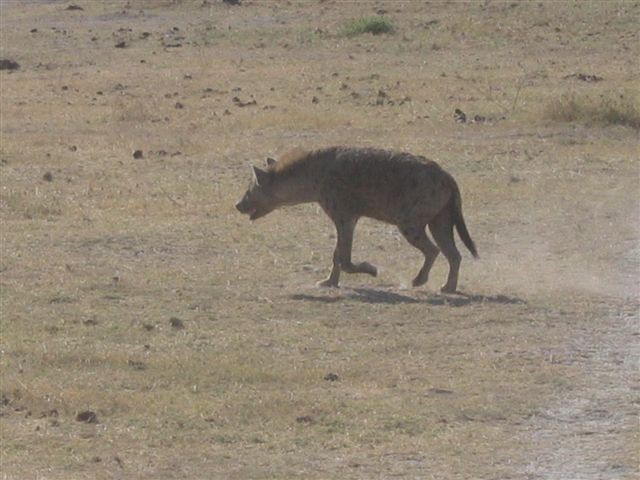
130,288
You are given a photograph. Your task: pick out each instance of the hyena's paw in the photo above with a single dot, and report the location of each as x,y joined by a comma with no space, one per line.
366,267
448,289
420,280
328,283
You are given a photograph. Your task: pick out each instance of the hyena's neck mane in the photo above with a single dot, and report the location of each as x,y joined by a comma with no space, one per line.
302,171
299,161
295,162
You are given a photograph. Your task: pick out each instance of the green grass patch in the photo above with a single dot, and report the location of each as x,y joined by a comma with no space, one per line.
604,109
372,25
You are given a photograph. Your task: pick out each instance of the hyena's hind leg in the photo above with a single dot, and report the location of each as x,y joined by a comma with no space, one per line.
416,236
442,230
342,254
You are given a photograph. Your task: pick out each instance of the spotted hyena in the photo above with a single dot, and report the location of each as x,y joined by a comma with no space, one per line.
348,183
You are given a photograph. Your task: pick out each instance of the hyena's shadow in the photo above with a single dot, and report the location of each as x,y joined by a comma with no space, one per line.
373,295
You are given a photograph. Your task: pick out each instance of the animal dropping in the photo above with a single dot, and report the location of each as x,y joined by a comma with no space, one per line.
394,187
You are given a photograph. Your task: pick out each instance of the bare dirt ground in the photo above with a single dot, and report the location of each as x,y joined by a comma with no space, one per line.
147,330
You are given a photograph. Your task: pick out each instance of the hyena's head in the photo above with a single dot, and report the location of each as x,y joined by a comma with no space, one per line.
262,195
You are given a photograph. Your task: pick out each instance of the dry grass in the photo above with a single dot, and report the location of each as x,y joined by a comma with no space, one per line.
372,25
605,109
98,257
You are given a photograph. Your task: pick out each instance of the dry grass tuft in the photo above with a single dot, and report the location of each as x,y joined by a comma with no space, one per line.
373,25
605,109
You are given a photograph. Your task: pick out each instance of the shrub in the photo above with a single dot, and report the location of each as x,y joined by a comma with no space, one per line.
606,109
373,25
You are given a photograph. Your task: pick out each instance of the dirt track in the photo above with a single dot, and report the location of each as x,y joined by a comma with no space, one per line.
576,436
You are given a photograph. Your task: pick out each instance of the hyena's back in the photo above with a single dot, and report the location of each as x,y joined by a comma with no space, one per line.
397,188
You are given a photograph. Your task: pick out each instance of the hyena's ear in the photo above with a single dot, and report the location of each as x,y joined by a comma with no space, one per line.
270,161
260,176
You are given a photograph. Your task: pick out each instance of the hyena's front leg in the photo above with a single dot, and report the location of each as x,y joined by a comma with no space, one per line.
342,254
334,277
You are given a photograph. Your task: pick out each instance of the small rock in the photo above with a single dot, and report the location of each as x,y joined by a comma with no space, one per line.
9,65
315,100
137,154
73,148
136,365
585,77
459,116
87,416
240,103
331,377
74,7
121,44
176,323
48,177
439,391
34,30
179,105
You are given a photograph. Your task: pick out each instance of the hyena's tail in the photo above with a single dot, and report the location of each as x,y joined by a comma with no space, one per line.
458,221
